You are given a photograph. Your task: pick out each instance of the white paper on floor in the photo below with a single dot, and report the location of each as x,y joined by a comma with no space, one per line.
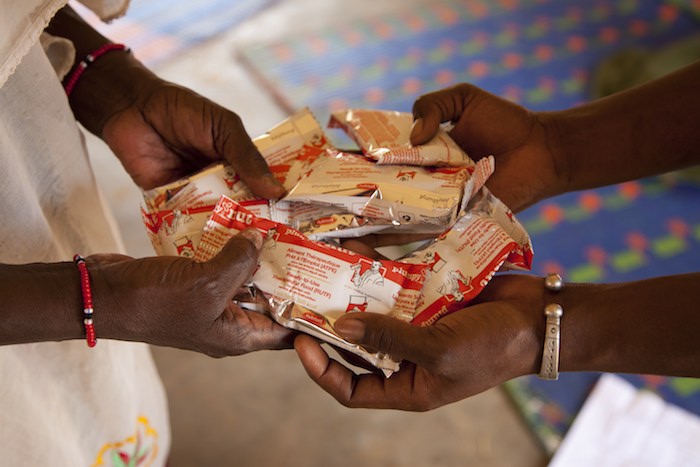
621,426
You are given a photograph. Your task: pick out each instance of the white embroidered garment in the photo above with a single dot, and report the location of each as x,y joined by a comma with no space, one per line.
61,403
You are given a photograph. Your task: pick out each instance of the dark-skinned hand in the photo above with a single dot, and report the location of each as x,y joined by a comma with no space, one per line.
169,132
484,124
177,302
489,342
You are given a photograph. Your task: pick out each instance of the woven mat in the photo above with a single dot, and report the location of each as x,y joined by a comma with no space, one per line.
542,54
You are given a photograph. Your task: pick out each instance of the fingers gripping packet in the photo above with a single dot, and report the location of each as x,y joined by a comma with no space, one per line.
288,148
176,213
395,193
385,137
310,284
462,261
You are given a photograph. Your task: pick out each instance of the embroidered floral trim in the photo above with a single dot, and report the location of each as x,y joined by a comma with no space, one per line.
137,450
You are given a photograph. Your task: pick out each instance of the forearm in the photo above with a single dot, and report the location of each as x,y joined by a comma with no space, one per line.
646,327
648,130
107,85
44,301
41,302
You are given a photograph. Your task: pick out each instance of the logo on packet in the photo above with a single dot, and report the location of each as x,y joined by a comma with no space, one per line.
314,318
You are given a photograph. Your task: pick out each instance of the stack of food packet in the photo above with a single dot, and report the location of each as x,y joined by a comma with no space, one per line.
306,277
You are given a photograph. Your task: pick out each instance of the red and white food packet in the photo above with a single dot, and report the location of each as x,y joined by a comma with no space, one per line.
176,232
398,194
336,223
462,261
385,137
290,147
176,213
330,221
320,221
200,189
310,284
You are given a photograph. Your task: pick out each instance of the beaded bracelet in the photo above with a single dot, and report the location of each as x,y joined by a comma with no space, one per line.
87,300
87,61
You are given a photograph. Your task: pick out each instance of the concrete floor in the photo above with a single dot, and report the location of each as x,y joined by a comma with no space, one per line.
261,409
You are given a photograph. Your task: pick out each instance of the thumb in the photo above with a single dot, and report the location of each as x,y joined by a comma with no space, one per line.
238,149
430,110
425,126
385,334
250,165
236,262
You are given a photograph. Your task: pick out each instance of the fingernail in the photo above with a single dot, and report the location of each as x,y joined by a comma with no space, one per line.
417,126
350,329
254,236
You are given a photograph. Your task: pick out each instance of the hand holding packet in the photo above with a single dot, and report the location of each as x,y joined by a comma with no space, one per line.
175,214
384,136
308,284
485,239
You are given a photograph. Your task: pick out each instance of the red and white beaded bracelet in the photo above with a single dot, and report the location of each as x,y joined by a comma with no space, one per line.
87,61
87,300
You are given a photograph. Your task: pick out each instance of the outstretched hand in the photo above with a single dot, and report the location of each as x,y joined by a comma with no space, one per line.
176,302
463,354
167,132
484,124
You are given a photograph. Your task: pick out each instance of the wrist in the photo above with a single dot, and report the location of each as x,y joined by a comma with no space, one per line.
581,347
111,84
556,132
535,327
526,338
107,85
522,324
113,305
